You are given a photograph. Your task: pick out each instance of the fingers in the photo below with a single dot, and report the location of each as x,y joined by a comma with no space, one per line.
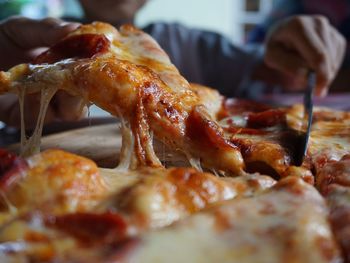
28,33
68,107
307,43
289,63
21,37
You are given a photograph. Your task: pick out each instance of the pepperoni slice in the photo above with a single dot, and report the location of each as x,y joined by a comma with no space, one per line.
105,228
266,119
206,132
239,106
11,167
78,46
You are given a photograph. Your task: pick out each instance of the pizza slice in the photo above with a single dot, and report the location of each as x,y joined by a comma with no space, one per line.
266,136
216,219
286,223
161,197
54,182
333,181
126,73
55,203
330,137
154,197
338,200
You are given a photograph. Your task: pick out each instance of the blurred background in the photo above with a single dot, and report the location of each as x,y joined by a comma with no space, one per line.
245,23
232,18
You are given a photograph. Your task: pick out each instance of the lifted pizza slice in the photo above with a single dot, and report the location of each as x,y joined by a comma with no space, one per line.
126,73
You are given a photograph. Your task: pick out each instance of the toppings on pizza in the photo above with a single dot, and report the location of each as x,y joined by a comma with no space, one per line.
70,182
135,80
334,172
81,208
77,46
90,228
165,196
287,223
266,137
60,207
339,203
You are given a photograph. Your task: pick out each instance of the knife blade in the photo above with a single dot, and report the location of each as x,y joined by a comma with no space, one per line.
304,134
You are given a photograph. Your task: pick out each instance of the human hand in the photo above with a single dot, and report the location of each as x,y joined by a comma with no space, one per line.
306,43
21,40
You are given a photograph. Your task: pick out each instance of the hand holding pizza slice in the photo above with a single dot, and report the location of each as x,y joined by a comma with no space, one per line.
126,73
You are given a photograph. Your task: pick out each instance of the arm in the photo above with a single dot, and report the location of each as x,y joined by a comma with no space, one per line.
294,47
207,58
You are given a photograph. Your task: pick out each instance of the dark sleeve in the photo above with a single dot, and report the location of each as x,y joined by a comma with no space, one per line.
208,58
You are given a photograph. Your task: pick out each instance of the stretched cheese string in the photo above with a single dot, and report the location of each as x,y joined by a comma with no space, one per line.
32,145
215,172
150,149
11,208
21,94
127,149
88,105
195,163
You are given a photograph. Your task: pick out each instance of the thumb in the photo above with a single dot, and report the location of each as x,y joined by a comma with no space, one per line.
28,33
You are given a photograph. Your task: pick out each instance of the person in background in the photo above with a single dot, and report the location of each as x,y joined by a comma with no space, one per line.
295,47
337,13
211,59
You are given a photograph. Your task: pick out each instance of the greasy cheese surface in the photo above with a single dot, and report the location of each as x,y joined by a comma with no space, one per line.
288,223
126,73
339,204
333,181
60,205
54,182
165,196
266,137
333,172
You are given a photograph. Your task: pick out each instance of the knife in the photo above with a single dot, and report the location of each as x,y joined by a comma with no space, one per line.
300,149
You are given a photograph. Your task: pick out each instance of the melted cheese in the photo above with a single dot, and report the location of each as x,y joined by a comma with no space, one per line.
72,183
134,74
31,145
339,203
333,173
283,224
148,198
127,151
287,223
161,197
330,140
21,96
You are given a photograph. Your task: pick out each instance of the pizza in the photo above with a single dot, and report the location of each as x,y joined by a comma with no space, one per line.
140,85
235,196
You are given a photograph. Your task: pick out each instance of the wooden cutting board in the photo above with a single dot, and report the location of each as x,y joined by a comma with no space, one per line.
102,144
